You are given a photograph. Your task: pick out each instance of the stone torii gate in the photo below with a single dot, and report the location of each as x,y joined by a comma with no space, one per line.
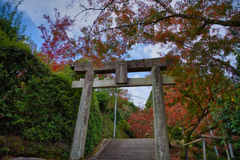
121,68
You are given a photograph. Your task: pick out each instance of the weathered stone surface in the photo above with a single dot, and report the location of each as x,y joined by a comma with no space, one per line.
128,149
80,132
132,82
121,72
132,66
160,122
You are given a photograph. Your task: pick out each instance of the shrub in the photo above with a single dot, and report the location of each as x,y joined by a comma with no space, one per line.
176,133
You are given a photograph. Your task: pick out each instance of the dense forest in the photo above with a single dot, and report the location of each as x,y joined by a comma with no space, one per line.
38,107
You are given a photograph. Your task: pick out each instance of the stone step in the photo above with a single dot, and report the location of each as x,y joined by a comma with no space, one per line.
127,154
126,157
132,141
137,140
121,144
117,158
134,147
128,149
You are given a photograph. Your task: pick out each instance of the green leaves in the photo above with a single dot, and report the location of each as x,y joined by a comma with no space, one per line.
94,133
103,98
10,20
35,103
229,115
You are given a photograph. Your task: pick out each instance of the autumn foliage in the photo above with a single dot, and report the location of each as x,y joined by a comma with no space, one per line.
191,29
58,49
141,123
203,33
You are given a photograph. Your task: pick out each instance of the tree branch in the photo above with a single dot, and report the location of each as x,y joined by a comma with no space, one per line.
207,130
210,21
201,28
131,25
93,9
234,70
204,113
102,10
164,6
193,98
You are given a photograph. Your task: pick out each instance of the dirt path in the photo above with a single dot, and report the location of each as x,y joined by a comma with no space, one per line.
176,151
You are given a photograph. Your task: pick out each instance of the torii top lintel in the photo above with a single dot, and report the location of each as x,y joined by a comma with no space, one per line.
121,68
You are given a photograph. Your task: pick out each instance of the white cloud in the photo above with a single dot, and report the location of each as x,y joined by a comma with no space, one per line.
136,52
154,51
139,95
136,76
35,9
141,51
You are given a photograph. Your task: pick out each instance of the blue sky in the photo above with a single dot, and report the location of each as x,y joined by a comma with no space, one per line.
33,11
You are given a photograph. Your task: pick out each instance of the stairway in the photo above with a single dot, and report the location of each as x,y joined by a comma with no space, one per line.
128,149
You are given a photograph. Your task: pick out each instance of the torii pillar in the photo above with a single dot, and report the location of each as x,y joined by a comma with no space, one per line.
80,133
160,121
121,69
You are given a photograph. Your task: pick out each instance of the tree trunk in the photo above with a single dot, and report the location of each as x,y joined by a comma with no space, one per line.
187,139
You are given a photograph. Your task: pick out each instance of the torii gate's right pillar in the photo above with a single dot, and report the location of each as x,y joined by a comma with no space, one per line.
160,122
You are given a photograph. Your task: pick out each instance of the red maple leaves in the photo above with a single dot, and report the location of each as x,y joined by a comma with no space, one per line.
58,49
141,123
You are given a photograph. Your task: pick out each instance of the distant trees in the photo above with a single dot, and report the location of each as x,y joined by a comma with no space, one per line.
141,123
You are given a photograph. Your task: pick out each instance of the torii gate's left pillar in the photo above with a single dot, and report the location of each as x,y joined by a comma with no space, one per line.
80,133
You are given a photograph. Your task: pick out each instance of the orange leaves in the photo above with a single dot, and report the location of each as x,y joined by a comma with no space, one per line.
175,111
184,28
141,123
187,32
58,48
193,98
